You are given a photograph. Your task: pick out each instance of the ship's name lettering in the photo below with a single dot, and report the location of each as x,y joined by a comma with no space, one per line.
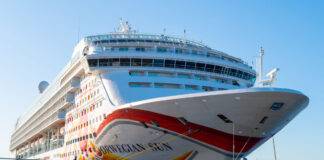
137,147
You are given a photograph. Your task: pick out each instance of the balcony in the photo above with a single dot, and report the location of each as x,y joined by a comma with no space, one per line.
74,84
68,100
65,98
41,148
61,114
56,143
56,118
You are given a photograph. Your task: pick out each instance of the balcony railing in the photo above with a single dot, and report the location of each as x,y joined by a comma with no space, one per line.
67,95
41,148
56,117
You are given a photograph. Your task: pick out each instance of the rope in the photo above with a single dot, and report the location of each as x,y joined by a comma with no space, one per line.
243,147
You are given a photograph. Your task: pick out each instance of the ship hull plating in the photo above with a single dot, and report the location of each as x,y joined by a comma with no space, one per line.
198,126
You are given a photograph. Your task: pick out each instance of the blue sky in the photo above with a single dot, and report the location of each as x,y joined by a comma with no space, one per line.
37,39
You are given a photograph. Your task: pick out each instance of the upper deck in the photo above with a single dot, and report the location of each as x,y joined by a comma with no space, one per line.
125,36
180,45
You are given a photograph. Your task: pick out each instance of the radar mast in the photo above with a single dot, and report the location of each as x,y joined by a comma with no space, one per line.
124,27
271,76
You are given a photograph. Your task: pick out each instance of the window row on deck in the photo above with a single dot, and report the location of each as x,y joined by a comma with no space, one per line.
82,138
150,42
164,49
160,41
183,76
169,63
173,86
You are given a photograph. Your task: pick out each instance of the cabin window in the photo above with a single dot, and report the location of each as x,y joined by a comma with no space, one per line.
190,65
239,74
232,72
125,62
136,62
180,64
192,87
139,84
200,66
172,64
158,63
131,40
161,49
147,62
177,50
166,85
123,49
93,62
103,62
209,54
207,88
136,73
235,83
161,74
226,71
251,78
185,51
115,62
184,75
218,69
169,63
200,77
194,51
244,75
140,49
121,40
209,68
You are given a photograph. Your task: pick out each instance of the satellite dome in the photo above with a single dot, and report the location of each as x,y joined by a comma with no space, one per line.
42,86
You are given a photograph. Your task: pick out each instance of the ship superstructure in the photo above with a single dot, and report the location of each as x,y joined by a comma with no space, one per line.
127,95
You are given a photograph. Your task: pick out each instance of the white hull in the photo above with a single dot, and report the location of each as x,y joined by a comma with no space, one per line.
152,128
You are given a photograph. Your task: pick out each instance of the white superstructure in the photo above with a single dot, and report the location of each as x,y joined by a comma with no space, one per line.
127,95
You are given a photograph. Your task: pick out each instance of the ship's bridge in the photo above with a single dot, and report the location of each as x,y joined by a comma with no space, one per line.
173,44
126,44
139,61
188,54
126,37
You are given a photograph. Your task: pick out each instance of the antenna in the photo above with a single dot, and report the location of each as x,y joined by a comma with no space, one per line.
78,29
260,75
272,75
164,30
125,27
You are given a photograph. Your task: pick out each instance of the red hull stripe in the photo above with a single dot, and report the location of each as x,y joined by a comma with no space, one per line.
201,133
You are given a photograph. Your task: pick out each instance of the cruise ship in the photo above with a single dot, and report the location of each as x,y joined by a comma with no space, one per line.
132,96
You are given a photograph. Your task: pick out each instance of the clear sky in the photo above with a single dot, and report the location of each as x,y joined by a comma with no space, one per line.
37,39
